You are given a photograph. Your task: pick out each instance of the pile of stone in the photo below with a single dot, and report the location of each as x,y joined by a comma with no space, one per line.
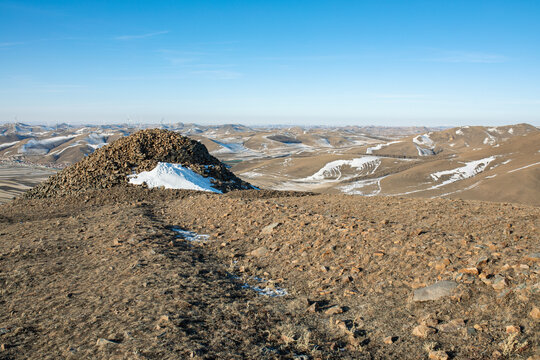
110,166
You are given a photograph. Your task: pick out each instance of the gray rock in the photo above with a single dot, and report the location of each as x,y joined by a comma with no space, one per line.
268,229
105,342
262,251
436,291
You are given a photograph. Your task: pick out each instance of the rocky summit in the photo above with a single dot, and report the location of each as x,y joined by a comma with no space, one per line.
111,165
135,273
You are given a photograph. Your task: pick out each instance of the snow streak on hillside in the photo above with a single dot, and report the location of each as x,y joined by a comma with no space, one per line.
469,170
366,165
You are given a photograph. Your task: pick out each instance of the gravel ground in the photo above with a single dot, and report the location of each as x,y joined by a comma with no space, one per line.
116,273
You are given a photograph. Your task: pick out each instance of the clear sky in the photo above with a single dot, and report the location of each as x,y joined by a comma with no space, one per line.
381,62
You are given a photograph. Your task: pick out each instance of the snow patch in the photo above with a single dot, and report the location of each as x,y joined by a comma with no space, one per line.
470,169
366,164
6,145
423,140
58,152
42,147
190,235
95,140
490,140
459,132
251,174
523,167
424,145
267,291
370,150
173,176
324,142
357,188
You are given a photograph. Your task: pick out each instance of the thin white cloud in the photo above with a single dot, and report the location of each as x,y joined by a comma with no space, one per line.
58,88
523,102
196,64
468,57
400,96
217,74
8,44
141,36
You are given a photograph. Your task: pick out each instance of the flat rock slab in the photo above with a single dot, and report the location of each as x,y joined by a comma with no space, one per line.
269,228
436,291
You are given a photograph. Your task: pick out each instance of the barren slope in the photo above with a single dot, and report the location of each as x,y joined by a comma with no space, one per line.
106,275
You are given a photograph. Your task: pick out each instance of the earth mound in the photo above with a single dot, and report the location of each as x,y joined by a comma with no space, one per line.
110,166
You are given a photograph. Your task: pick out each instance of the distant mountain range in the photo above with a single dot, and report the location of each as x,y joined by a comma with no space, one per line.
470,162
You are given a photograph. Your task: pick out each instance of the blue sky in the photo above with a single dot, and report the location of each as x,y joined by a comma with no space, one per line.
282,62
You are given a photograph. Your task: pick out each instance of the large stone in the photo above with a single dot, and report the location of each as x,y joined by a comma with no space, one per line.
436,291
334,310
423,331
269,228
438,355
259,252
534,257
535,313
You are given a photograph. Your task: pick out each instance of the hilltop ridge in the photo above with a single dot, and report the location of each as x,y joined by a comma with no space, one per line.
111,165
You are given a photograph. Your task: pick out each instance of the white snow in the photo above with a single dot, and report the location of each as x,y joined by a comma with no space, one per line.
511,131
324,142
42,147
230,147
494,129
95,140
267,291
81,130
470,169
190,235
58,152
459,190
523,167
423,141
251,174
6,145
357,187
490,140
459,132
370,150
424,152
234,148
366,164
173,176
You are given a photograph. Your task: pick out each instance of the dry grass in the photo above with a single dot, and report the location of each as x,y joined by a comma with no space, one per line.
511,345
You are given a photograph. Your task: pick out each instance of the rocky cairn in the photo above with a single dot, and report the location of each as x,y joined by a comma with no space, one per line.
110,165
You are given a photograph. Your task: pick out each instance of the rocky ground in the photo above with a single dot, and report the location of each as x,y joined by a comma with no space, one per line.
113,273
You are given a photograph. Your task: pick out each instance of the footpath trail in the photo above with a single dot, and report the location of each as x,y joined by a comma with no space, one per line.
112,274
